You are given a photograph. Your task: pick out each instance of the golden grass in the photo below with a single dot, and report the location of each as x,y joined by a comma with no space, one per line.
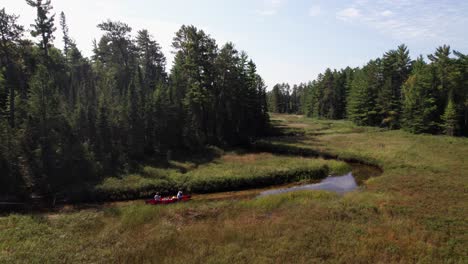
246,158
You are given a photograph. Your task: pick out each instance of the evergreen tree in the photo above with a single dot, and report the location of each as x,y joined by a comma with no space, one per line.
462,91
274,99
327,95
362,107
67,41
136,124
450,119
71,121
43,106
197,53
227,85
44,24
10,35
116,53
396,67
152,61
419,103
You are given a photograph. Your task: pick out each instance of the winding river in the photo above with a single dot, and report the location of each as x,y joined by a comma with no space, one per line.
338,184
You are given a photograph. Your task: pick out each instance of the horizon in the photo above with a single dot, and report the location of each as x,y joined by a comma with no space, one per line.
302,29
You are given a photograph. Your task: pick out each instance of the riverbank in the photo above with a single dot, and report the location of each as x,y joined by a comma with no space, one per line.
230,172
414,212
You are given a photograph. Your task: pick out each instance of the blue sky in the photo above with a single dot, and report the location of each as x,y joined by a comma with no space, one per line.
291,41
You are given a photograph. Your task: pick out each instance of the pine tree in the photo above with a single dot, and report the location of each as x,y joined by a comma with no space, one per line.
67,42
443,66
116,53
152,61
104,144
136,124
327,102
44,24
419,101
450,119
462,91
79,120
44,107
362,108
227,84
10,35
396,65
197,52
274,98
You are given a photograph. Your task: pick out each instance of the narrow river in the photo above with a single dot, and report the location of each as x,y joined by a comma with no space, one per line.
339,184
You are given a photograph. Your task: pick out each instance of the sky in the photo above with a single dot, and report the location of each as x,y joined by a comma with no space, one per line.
289,40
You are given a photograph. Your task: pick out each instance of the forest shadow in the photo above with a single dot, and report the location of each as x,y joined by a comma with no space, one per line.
177,158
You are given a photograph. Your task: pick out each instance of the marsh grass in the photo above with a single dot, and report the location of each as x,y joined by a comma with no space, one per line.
229,172
414,213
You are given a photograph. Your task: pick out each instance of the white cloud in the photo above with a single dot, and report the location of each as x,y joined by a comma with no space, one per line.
270,7
315,11
408,20
349,13
387,13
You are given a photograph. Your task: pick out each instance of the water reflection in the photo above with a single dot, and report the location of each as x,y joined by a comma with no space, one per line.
338,184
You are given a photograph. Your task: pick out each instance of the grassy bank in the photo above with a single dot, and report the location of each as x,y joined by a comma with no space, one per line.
229,172
416,212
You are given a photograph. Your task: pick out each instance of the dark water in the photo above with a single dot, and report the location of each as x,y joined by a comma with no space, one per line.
339,184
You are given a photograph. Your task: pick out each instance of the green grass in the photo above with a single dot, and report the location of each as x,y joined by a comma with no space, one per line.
228,173
416,212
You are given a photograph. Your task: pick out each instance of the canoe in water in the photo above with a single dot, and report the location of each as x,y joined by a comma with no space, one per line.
169,200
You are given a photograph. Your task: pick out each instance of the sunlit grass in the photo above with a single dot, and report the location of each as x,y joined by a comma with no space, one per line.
229,172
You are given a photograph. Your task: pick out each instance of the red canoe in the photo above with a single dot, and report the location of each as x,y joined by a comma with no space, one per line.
169,200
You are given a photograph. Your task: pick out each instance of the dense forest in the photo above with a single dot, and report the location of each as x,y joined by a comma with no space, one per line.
393,92
66,119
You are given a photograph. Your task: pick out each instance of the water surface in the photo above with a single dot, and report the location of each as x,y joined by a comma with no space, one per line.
338,184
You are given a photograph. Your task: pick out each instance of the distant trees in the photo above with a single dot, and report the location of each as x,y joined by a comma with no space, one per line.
66,120
324,97
441,91
392,92
283,99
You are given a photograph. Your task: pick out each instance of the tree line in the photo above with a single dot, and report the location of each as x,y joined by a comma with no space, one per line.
66,119
420,96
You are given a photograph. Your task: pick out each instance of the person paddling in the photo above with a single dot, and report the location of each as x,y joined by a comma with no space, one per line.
179,195
157,197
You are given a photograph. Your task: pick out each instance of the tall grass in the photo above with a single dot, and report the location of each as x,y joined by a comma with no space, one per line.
228,173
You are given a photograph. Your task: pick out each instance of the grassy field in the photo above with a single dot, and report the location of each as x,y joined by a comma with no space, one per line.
416,212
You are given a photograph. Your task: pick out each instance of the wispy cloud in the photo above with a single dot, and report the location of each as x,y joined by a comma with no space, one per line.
315,11
270,7
407,19
349,13
386,13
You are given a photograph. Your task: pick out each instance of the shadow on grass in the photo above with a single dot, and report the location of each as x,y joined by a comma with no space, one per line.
175,159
